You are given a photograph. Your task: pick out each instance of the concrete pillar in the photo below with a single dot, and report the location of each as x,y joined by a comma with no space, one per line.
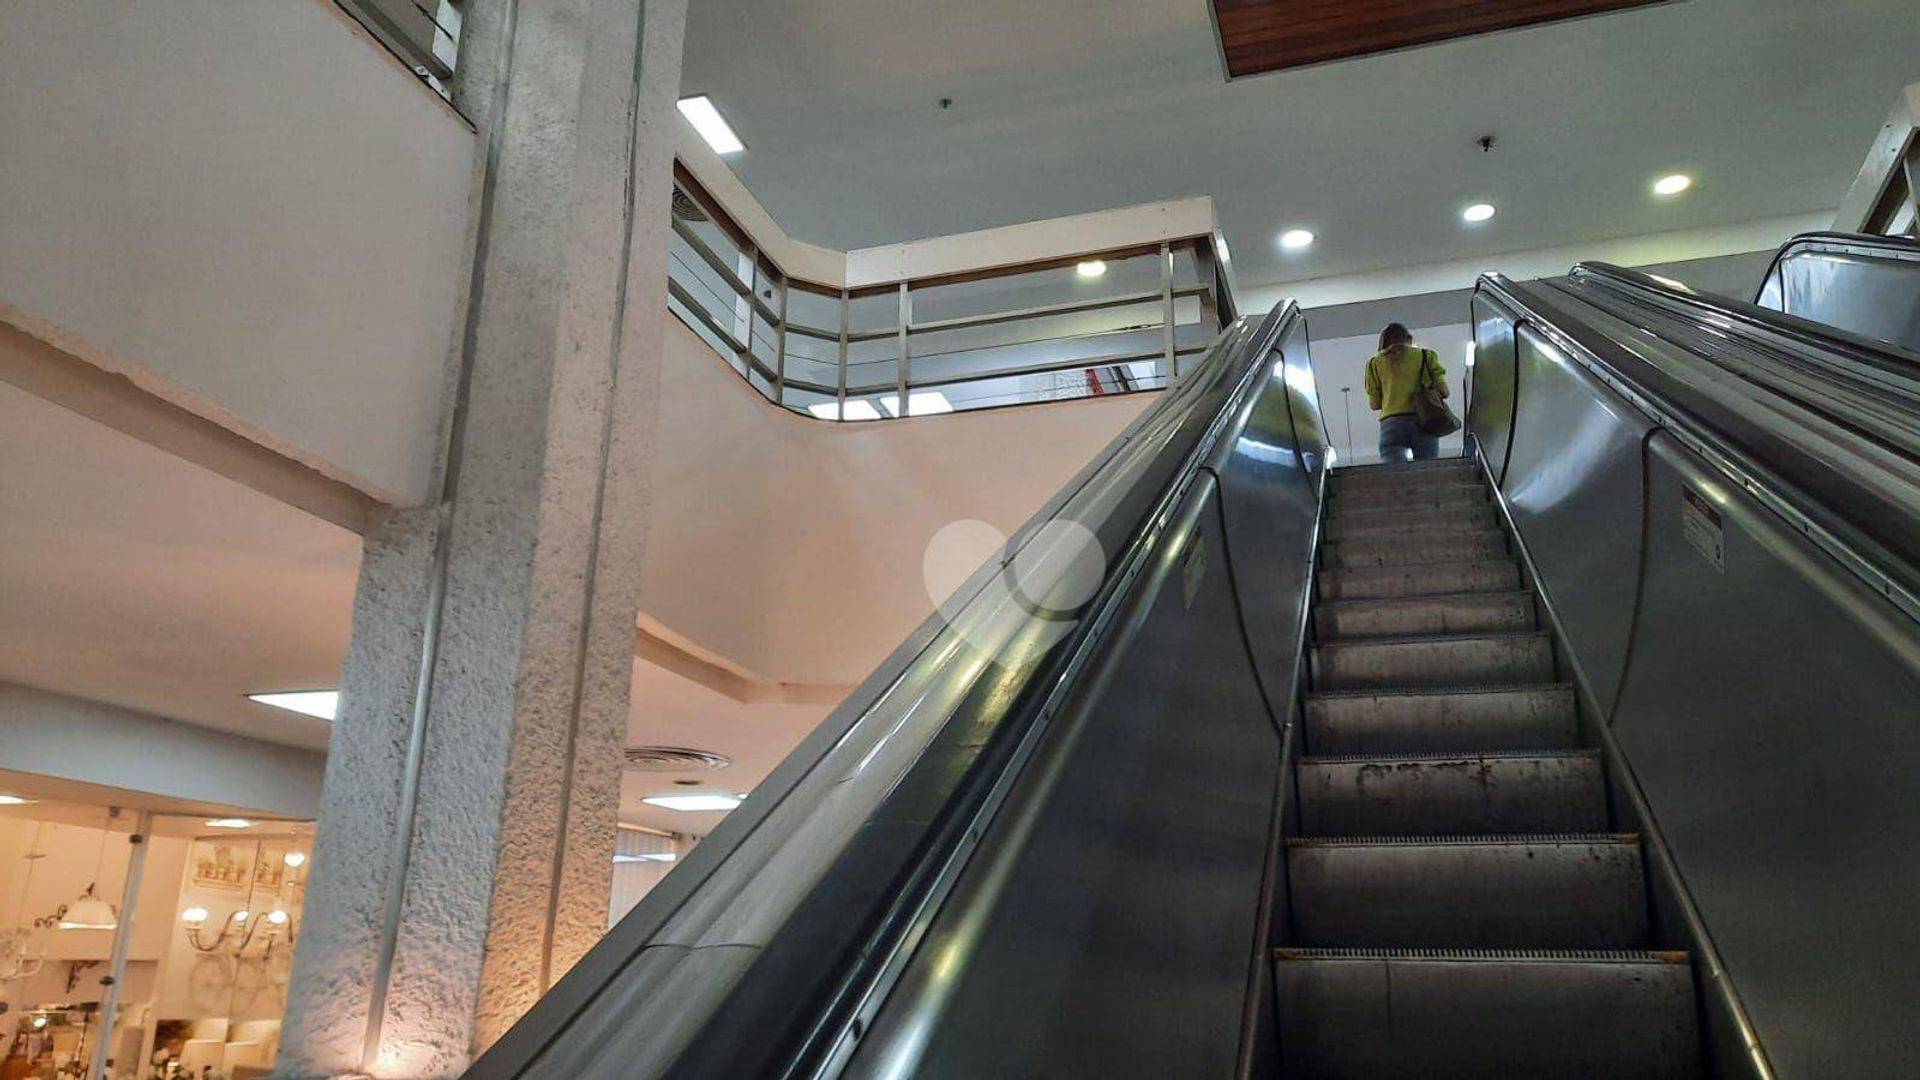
468,817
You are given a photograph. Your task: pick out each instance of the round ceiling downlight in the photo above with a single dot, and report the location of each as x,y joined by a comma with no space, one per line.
1672,185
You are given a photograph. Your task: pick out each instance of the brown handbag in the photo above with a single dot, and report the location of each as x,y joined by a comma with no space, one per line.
1431,414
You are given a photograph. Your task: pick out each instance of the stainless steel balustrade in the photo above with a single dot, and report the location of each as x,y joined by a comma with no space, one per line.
423,34
1721,530
819,910
1866,285
1008,336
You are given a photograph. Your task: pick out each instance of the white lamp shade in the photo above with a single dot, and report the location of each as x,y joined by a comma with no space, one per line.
89,913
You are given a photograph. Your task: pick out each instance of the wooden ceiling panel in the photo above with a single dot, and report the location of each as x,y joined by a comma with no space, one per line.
1272,35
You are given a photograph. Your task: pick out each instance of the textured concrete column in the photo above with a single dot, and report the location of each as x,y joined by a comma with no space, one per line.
427,933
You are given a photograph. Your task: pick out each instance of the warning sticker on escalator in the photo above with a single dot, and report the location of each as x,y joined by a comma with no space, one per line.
1700,524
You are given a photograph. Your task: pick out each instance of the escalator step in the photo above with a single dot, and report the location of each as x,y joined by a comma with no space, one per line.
1434,579
1539,791
1405,663
1457,545
1567,890
1411,496
1370,1014
1459,470
1442,721
1408,616
1395,521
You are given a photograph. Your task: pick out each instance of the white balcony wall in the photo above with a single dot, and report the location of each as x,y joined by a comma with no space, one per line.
794,548
249,208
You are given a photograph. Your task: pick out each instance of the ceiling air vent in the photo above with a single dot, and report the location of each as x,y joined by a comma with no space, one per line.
685,208
673,759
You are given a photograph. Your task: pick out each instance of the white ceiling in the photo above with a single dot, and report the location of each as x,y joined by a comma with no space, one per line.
669,710
136,578
1073,105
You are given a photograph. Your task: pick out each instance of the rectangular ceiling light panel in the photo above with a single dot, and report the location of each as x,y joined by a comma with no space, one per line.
321,703
1258,36
705,117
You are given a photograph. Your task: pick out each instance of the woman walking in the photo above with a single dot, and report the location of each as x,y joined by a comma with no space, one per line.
1395,375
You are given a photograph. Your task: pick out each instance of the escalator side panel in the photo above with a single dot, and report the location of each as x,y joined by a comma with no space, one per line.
1490,408
1107,924
1303,401
1270,501
1877,298
1769,716
1573,482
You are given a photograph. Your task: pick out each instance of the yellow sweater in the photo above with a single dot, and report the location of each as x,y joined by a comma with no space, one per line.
1393,377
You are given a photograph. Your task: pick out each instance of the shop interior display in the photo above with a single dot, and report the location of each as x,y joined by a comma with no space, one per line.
210,937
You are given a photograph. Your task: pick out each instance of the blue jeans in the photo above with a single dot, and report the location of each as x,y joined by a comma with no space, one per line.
1403,432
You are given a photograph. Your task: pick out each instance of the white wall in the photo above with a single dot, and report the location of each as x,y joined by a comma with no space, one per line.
792,547
248,207
1342,362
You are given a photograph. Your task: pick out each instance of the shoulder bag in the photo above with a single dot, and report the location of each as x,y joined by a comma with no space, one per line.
1431,413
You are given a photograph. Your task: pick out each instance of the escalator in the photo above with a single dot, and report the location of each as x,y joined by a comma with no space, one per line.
1589,754
1462,901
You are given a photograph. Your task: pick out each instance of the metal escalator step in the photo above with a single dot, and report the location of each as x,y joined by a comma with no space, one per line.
1455,660
1412,794
1372,1014
1432,579
1406,616
1393,521
1445,472
1454,545
1442,721
1565,890
1414,496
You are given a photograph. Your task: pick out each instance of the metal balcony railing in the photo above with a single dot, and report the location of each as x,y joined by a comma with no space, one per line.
423,34
1083,325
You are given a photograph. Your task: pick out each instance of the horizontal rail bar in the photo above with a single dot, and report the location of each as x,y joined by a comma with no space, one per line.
1071,307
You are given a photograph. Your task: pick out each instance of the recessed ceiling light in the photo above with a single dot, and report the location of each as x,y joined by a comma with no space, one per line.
1091,268
706,119
1296,239
15,800
857,409
919,403
321,703
651,856
1477,212
1672,185
693,803
295,859
229,823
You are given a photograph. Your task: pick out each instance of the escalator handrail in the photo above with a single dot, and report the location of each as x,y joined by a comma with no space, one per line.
1236,358
1873,245
1680,407
1901,365
1869,386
